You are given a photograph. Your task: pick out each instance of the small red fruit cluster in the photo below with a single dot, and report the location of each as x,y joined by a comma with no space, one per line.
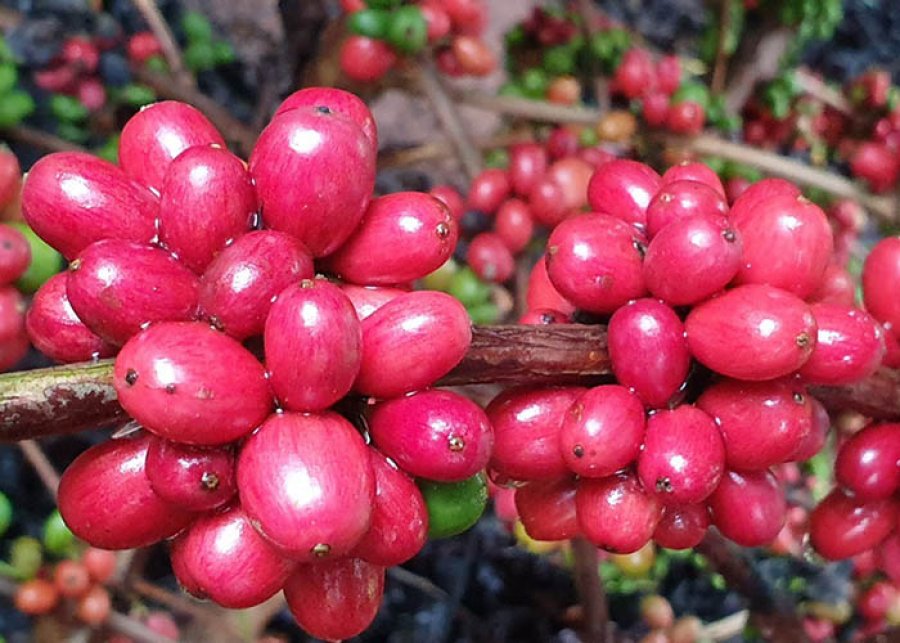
15,256
74,71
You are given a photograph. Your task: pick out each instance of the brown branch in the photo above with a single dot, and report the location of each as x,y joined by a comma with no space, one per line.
441,149
41,140
596,623
721,65
816,87
42,465
759,60
170,48
534,110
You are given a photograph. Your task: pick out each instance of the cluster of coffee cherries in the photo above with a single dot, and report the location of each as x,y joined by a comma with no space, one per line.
718,321
383,30
184,257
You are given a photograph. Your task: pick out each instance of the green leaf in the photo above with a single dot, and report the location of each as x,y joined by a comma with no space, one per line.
197,28
67,109
9,76
15,107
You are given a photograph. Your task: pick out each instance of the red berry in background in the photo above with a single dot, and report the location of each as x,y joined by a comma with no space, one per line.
193,478
365,59
527,164
72,199
527,423
547,509
55,329
683,199
668,73
752,332
156,135
655,108
10,177
635,73
602,431
411,342
367,299
572,175
317,452
623,189
815,439
682,526
544,317
541,292
762,423
565,90
889,556
447,62
335,599
15,254
647,350
876,600
849,347
313,345
735,187
880,281
692,259
473,55
514,225
80,53
71,578
59,78
877,164
432,434
100,563
36,596
142,46
238,287
468,16
437,20
748,507
189,383
837,287
450,197
319,164
546,202
91,93
227,561
348,105
615,513
867,463
490,258
842,526
683,457
562,142
207,200
402,237
399,526
488,190
686,117
593,260
12,313
691,171
117,287
106,499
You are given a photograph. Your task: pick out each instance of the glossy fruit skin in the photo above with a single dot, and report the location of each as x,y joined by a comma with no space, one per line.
10,177
748,507
207,200
818,433
880,276
683,199
527,164
682,526
635,73
787,243
648,351
490,258
527,423
117,287
868,464
488,190
337,599
157,135
514,225
842,526
238,287
450,196
615,513
433,434
473,55
547,509
342,102
454,507
366,59
193,478
106,499
692,171
849,346
572,175
15,254
402,237
547,204
226,560
313,344
601,431
623,189
189,383
72,199
692,259
411,342
367,299
752,332
314,174
593,261
399,526
55,329
837,287
687,117
542,293
760,193
327,454
762,423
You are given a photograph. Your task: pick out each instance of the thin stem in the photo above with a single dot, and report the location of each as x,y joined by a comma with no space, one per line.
721,65
534,110
42,465
816,87
442,149
170,48
41,140
590,592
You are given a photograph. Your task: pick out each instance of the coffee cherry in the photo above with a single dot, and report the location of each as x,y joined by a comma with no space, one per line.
10,177
437,20
748,507
71,200
889,556
876,164
193,478
880,277
647,350
842,526
691,171
15,254
849,346
542,293
71,578
602,431
615,513
142,46
686,117
683,457
657,612
635,73
313,345
682,526
490,258
527,423
454,507
283,470
572,175
367,299
348,105
366,60
225,559
876,600
624,189
815,439
450,196
238,287
319,163
547,203
438,435
760,193
100,563
868,464
655,108
753,332
837,287
190,383
547,509
488,190
36,596
94,607
336,599
106,499
399,525
157,135
527,165
683,199
473,55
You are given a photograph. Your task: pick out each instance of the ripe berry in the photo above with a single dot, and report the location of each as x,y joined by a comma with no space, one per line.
367,299
849,346
547,203
868,464
514,225
880,280
450,196
541,292
682,526
490,258
572,175
100,563
15,254
488,190
748,507
36,596
94,607
837,287
692,171
527,164
623,189
193,478
547,509
635,73
10,177
876,164
686,117
758,194
142,46
341,102
71,578
473,55
365,59
680,200
842,526
876,600
615,513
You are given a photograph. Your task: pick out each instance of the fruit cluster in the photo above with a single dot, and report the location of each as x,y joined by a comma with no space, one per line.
184,252
383,30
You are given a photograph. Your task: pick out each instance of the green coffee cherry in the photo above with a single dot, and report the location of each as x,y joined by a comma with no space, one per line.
468,288
6,513
196,27
694,92
200,56
58,539
223,52
454,507
137,95
372,23
26,556
486,313
440,278
407,30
